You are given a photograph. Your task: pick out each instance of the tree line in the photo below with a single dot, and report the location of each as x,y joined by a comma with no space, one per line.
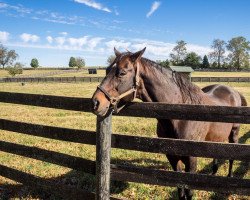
233,54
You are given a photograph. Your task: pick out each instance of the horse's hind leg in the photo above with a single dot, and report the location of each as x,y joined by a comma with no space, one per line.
233,138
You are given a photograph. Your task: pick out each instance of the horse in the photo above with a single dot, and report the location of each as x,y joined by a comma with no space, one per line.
133,76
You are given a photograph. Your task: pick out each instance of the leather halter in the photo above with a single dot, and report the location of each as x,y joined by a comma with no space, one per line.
115,100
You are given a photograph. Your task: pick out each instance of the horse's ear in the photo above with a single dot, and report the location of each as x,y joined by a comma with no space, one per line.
137,55
117,53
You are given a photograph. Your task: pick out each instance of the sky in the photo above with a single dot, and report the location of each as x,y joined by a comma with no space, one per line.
54,30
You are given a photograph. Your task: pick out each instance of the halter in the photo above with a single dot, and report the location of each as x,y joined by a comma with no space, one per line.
115,100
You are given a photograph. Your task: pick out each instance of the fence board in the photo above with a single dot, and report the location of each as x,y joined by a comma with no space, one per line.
149,110
188,112
99,79
183,147
59,102
57,133
184,180
145,144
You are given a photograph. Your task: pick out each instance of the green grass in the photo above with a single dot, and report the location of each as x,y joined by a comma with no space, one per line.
87,121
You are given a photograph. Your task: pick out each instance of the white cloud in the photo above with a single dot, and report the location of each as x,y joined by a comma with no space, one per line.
154,7
49,39
64,33
201,50
60,40
4,36
118,44
29,37
94,4
92,43
78,42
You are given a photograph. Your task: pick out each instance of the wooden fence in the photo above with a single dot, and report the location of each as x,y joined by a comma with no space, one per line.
99,79
104,139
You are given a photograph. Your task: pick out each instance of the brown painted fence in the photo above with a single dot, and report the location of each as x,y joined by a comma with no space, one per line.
104,140
99,79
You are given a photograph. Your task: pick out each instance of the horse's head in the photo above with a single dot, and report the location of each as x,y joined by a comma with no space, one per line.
120,85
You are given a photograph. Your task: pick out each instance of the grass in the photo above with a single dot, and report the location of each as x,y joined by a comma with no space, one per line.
220,74
81,120
84,73
5,74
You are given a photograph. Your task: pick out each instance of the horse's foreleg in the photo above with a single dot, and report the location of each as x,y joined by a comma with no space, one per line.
233,138
175,162
190,166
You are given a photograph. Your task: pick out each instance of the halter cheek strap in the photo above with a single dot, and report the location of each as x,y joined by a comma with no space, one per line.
115,100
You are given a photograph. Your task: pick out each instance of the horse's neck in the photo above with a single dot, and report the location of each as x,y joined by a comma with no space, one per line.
159,87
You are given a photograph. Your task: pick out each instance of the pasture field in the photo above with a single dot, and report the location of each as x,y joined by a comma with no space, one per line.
5,74
220,74
87,121
82,73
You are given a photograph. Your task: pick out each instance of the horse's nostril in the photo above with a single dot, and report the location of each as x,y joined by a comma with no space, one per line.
95,104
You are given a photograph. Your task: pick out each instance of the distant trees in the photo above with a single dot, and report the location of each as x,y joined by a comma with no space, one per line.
16,69
178,53
239,55
231,54
164,63
34,63
72,62
205,62
76,62
193,60
7,57
218,52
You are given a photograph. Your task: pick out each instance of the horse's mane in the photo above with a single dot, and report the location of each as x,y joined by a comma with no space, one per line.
188,90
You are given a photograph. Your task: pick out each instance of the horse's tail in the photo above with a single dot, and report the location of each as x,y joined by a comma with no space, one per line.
243,100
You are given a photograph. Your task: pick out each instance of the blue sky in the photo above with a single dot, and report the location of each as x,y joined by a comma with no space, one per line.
54,30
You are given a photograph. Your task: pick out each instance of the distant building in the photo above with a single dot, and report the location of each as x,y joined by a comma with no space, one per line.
92,71
183,70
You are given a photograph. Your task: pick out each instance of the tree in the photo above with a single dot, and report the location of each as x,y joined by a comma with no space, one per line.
111,59
34,63
80,62
192,59
16,69
239,56
214,65
7,57
205,63
164,63
72,62
178,53
218,47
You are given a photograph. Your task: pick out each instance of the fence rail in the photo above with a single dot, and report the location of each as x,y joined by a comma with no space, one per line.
154,145
99,79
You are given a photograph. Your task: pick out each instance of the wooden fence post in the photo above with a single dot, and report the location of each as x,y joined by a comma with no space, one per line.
103,151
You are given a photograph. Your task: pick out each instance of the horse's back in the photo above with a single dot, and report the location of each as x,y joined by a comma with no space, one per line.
223,95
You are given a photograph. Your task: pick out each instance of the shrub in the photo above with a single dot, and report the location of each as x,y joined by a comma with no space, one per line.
16,69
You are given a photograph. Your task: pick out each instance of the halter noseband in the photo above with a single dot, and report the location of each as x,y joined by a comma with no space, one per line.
115,100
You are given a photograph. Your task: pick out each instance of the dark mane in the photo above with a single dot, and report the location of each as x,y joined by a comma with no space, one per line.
187,88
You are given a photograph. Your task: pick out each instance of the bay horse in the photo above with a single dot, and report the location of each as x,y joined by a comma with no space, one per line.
132,76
